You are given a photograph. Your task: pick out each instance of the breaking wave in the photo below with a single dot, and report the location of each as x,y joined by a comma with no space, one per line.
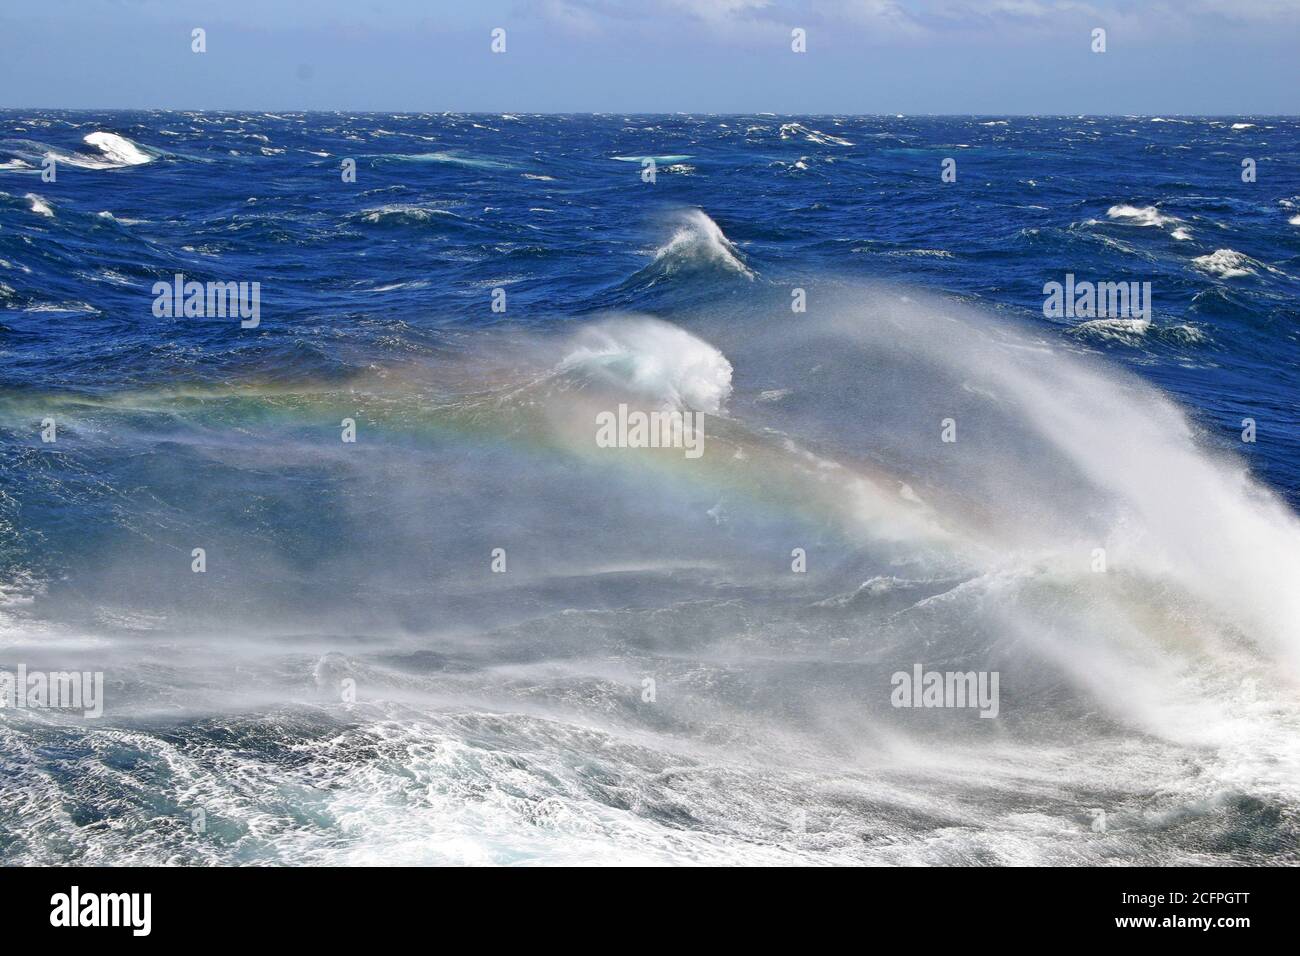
1141,215
119,150
653,360
1226,263
39,205
698,243
505,717
114,152
795,130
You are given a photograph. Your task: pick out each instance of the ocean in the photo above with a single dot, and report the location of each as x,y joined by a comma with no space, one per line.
376,555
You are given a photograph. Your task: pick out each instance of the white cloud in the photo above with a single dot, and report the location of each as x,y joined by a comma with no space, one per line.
1252,10
717,11
742,22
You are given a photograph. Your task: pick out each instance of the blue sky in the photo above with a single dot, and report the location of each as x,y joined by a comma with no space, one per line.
863,56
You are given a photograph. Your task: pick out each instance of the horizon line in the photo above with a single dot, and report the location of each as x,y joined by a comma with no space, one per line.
498,113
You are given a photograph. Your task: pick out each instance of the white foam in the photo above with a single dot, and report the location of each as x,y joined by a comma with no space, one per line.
1227,263
105,214
1120,689
449,158
1141,215
1119,328
403,211
655,360
396,286
39,205
659,160
698,240
793,130
118,149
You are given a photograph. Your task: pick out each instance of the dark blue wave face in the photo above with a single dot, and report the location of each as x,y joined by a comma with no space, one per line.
554,210
478,634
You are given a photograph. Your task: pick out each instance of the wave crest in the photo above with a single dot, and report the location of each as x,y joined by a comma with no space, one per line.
1225,263
1141,215
699,243
118,149
655,360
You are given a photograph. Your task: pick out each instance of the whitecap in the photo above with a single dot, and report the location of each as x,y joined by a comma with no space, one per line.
659,160
699,241
448,157
654,359
118,149
39,205
403,211
1141,215
105,214
791,130
1116,328
1227,263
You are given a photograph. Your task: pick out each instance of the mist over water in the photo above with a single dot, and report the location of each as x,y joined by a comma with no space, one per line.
649,680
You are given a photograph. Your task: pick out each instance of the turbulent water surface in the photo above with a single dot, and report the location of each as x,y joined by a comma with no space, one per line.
353,679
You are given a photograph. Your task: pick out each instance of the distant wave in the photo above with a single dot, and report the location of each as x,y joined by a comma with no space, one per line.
1141,215
124,221
39,205
402,212
659,160
800,165
449,158
793,130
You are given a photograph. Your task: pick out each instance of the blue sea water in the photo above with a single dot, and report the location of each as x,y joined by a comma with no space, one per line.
350,680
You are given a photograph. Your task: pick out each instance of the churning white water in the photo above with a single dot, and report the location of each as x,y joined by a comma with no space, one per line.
650,676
